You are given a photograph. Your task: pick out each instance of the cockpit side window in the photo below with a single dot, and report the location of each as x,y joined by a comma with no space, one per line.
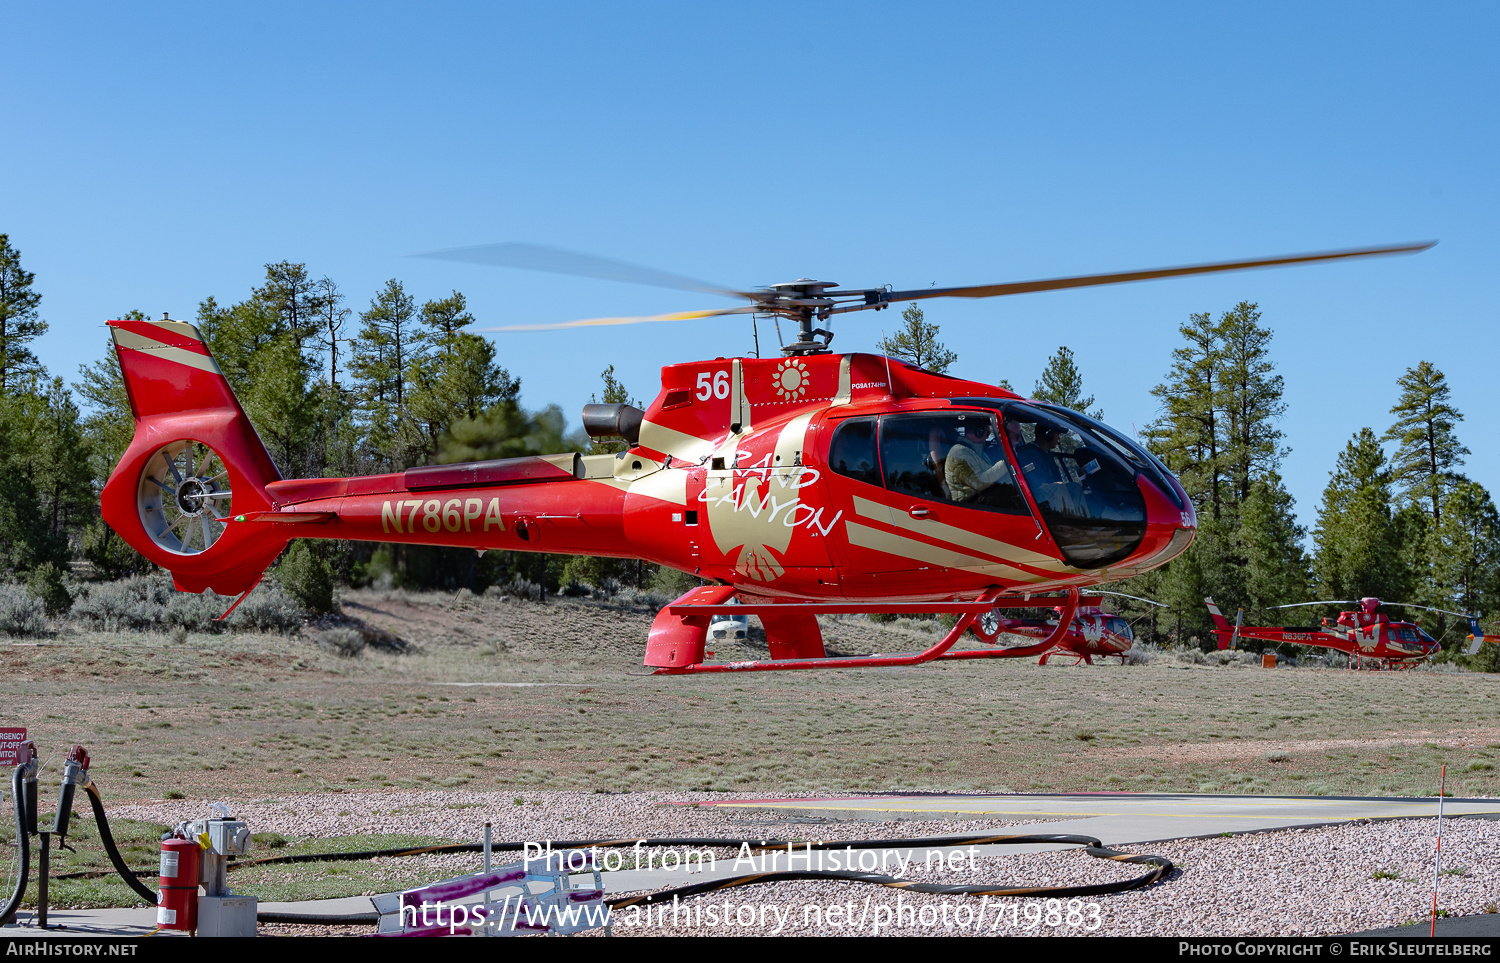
950,457
852,451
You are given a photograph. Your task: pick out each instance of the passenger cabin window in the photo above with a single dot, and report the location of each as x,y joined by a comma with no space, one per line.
852,451
950,457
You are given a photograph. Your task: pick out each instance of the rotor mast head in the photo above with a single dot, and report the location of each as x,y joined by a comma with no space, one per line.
803,301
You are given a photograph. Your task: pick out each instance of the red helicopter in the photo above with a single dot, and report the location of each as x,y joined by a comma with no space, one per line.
1092,632
1365,635
809,484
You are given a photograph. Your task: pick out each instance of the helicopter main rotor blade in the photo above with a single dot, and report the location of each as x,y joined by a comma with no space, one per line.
537,257
1091,280
1298,605
592,322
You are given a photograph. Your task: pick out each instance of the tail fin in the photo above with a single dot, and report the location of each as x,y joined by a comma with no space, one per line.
194,463
1221,624
1477,637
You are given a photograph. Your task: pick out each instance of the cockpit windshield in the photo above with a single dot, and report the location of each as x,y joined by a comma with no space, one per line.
1084,485
1142,459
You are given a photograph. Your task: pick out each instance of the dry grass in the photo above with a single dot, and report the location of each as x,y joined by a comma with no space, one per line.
246,715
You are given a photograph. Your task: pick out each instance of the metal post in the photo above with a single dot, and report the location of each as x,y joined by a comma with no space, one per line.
487,928
44,869
1437,863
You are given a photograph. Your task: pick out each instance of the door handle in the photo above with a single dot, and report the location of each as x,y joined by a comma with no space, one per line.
917,511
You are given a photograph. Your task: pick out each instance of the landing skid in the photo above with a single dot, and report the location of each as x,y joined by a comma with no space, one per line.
966,611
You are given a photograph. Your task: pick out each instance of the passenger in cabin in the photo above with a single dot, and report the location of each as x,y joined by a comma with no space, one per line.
939,442
971,467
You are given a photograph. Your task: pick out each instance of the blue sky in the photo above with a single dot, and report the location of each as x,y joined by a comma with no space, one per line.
156,155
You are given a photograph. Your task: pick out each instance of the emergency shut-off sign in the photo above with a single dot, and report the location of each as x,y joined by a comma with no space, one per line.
10,747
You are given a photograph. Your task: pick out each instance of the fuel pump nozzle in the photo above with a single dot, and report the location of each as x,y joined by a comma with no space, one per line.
75,777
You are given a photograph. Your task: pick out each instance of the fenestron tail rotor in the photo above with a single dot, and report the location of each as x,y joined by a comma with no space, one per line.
811,304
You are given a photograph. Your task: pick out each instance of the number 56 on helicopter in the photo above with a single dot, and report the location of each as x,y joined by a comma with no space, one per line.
809,484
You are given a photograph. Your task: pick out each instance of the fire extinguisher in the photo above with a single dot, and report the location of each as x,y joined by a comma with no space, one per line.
177,902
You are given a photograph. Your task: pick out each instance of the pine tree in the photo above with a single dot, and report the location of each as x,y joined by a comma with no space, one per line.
384,351
1428,451
1189,436
1277,569
1465,550
26,540
1062,384
294,298
1217,432
53,451
1360,547
332,316
19,321
1250,395
917,343
456,376
109,423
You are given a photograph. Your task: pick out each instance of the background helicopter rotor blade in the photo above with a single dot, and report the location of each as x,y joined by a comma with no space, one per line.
643,319
1297,605
1136,597
537,257
1414,605
1121,277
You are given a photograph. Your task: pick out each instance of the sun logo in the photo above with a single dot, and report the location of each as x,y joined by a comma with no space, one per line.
791,380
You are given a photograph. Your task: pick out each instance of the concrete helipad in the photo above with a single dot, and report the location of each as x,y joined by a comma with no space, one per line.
1123,818
1116,819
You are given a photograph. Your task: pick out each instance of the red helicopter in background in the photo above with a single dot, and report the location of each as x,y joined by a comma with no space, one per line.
803,485
1092,632
1364,635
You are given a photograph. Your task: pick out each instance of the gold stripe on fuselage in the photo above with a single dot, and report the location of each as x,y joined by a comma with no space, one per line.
960,537
913,550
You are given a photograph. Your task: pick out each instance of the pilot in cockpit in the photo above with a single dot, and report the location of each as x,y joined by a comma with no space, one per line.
1037,458
972,464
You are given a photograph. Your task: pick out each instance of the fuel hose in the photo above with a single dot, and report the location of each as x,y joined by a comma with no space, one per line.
105,836
1159,867
23,842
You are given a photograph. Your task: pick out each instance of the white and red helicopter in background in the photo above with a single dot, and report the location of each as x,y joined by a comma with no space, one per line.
803,485
1093,632
1365,635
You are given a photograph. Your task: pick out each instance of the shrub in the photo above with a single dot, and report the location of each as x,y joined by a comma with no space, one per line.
307,578
268,609
1487,659
669,581
21,613
345,642
46,583
134,603
150,603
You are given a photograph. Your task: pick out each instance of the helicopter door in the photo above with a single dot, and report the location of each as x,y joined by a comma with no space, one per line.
911,521
951,485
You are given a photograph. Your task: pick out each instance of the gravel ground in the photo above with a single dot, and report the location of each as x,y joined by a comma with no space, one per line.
1306,882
